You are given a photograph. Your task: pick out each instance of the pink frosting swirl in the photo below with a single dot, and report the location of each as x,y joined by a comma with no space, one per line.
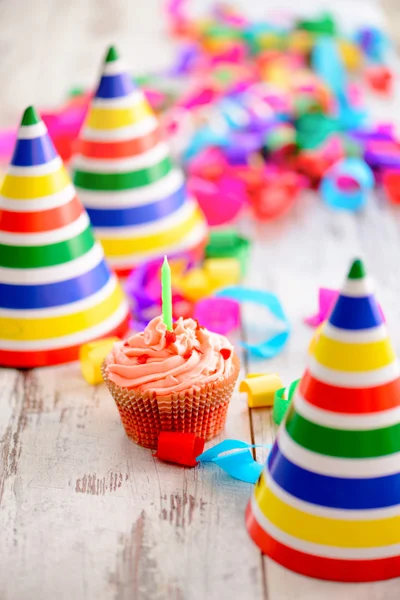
164,362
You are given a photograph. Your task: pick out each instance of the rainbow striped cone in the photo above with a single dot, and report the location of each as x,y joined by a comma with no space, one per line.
56,291
327,504
136,200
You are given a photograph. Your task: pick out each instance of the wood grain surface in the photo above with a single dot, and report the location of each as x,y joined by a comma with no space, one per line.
86,514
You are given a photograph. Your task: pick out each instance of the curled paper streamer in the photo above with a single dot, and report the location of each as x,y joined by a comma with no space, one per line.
137,285
179,448
201,282
260,388
203,138
379,78
91,356
221,201
374,43
274,344
7,143
277,195
221,315
346,184
227,243
239,463
382,154
391,185
326,301
282,400
327,63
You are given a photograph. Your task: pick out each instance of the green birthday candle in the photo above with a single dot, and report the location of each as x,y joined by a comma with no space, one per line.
166,294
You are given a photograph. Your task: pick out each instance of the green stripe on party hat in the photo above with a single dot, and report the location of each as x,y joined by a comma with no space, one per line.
111,55
33,148
356,307
115,82
30,117
357,270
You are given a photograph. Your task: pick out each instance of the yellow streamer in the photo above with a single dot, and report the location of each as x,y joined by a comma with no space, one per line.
261,389
91,356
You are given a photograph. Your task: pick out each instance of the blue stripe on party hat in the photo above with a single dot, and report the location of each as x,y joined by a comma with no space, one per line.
356,307
115,81
33,146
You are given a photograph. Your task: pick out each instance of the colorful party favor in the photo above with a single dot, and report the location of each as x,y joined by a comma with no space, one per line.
327,504
260,388
56,291
136,199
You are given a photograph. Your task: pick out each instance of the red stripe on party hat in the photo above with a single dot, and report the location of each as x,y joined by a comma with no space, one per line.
117,150
42,220
350,400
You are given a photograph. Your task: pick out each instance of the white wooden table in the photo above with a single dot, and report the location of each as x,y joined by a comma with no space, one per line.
84,512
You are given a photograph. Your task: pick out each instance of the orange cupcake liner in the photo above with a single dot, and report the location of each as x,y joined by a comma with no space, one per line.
201,411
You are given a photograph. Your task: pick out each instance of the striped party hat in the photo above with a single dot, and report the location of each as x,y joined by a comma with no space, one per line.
56,291
136,199
327,504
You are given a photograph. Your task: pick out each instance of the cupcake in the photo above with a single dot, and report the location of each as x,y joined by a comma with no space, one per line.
179,380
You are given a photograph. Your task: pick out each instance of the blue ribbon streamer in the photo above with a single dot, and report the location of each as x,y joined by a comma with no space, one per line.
336,198
204,138
239,464
274,344
327,63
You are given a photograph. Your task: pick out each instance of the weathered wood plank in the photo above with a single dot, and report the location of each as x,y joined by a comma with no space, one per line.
79,497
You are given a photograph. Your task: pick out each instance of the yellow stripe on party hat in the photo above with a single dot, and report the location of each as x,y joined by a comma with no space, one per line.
328,527
23,187
56,290
353,357
112,118
328,502
136,200
117,103
42,326
161,238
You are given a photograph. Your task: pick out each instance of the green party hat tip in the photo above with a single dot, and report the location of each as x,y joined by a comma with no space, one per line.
30,117
112,54
357,270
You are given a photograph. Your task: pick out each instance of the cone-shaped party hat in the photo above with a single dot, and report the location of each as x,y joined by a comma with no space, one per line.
136,199
327,504
56,292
